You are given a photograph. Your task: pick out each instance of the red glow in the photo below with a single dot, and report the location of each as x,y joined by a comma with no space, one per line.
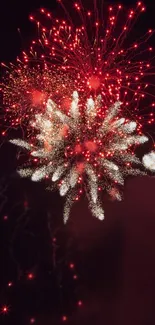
80,167
94,82
71,265
10,284
4,310
37,97
91,146
64,318
78,148
79,303
30,276
66,104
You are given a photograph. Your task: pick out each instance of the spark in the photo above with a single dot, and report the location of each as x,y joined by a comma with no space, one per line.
5,310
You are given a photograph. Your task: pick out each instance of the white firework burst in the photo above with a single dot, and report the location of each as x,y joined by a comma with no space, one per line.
84,150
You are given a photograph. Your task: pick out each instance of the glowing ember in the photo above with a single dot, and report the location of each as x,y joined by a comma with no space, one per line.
94,82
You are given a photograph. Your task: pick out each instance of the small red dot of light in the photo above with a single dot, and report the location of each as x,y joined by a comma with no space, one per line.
71,266
79,303
32,320
75,277
5,218
10,284
30,276
64,318
4,309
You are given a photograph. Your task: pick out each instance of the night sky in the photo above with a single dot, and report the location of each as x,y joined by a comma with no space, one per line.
87,272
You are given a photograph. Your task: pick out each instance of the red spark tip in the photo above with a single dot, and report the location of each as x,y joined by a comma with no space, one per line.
71,265
64,318
79,303
30,276
4,310
10,284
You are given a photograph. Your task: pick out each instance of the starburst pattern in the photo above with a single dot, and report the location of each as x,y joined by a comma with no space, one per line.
85,143
97,52
83,151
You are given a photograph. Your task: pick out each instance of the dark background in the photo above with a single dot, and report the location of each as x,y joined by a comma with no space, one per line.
114,260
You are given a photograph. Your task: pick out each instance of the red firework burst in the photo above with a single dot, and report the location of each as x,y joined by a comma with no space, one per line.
94,52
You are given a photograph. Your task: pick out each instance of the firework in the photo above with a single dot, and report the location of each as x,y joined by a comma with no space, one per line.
83,151
86,90
95,54
26,90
